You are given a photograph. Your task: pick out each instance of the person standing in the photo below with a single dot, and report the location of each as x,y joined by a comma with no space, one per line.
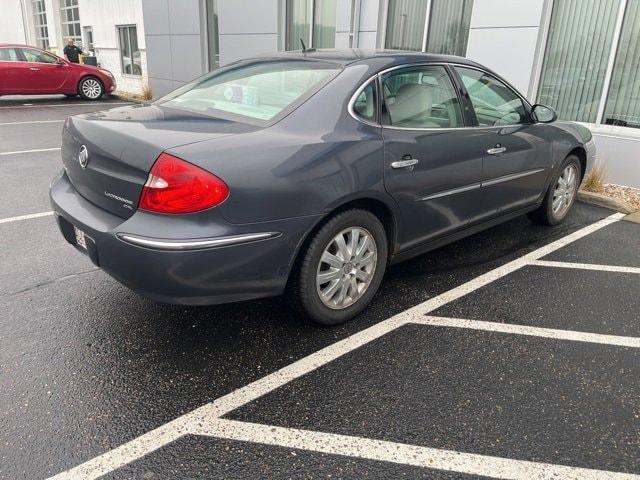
71,52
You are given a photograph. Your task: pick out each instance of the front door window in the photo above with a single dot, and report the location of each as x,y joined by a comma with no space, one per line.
494,102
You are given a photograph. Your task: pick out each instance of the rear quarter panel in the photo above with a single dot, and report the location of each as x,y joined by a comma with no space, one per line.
306,164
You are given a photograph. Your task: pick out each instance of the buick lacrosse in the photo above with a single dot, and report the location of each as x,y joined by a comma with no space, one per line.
309,173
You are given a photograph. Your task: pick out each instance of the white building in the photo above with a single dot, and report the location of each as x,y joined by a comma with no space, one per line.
581,57
112,30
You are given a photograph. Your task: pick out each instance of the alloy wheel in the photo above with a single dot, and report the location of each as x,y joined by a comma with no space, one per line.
565,191
346,267
91,88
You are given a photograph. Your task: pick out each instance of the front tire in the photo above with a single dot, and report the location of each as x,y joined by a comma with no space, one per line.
561,194
342,268
90,88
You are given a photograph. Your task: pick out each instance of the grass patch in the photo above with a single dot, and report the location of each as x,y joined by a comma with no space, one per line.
594,181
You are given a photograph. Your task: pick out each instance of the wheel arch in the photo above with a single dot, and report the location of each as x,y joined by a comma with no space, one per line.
374,202
581,153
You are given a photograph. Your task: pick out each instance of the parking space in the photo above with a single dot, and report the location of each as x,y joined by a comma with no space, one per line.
99,379
26,182
617,244
471,391
197,457
555,297
19,137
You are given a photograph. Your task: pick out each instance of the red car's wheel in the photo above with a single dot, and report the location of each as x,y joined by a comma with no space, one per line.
90,88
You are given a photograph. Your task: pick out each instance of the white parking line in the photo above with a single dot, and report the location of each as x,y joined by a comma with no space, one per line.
210,412
571,335
586,266
25,217
33,121
29,105
384,451
30,151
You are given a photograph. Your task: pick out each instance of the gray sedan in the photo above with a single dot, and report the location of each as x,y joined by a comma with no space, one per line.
309,173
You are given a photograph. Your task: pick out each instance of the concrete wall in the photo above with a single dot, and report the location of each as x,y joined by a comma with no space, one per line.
618,149
175,47
368,25
503,36
247,28
105,16
343,16
12,26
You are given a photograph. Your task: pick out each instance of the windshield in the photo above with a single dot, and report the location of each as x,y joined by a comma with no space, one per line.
259,91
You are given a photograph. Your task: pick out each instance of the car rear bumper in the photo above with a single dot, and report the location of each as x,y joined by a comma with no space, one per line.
237,262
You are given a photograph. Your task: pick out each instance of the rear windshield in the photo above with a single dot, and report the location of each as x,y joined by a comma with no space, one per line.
258,91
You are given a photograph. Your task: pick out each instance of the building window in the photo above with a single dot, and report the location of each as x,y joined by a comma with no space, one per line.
405,24
312,22
129,52
70,20
40,23
213,44
88,39
446,31
575,61
623,101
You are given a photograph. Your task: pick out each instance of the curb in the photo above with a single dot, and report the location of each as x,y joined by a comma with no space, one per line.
634,217
604,201
126,98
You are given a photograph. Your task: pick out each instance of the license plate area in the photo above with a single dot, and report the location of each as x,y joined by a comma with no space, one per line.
81,239
78,238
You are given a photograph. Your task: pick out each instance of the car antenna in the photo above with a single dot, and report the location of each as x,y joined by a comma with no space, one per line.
304,47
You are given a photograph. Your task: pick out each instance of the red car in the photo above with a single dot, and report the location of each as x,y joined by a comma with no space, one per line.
28,70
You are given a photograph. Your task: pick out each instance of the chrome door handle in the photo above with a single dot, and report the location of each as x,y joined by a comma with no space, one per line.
496,150
410,162
34,68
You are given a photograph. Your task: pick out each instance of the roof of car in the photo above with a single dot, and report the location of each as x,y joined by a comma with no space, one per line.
352,55
18,45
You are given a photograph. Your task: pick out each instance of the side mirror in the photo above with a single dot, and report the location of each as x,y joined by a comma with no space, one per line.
544,114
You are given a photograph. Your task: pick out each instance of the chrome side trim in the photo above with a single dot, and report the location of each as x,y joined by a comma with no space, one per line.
453,191
475,186
185,245
512,176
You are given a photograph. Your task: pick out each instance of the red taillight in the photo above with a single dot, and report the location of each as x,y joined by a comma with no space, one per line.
176,186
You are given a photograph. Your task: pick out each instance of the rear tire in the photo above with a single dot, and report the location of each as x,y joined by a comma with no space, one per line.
341,269
561,194
90,88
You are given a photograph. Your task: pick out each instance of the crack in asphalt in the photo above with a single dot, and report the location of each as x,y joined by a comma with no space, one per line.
53,280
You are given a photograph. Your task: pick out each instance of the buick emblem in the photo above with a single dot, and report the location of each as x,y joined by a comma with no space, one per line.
83,156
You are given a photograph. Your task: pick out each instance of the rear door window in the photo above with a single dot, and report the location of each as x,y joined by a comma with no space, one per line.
421,97
258,91
365,105
9,55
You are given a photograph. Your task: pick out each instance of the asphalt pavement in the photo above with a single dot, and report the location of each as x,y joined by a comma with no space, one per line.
514,353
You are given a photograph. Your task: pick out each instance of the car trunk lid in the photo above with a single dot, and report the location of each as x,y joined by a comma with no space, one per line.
108,155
